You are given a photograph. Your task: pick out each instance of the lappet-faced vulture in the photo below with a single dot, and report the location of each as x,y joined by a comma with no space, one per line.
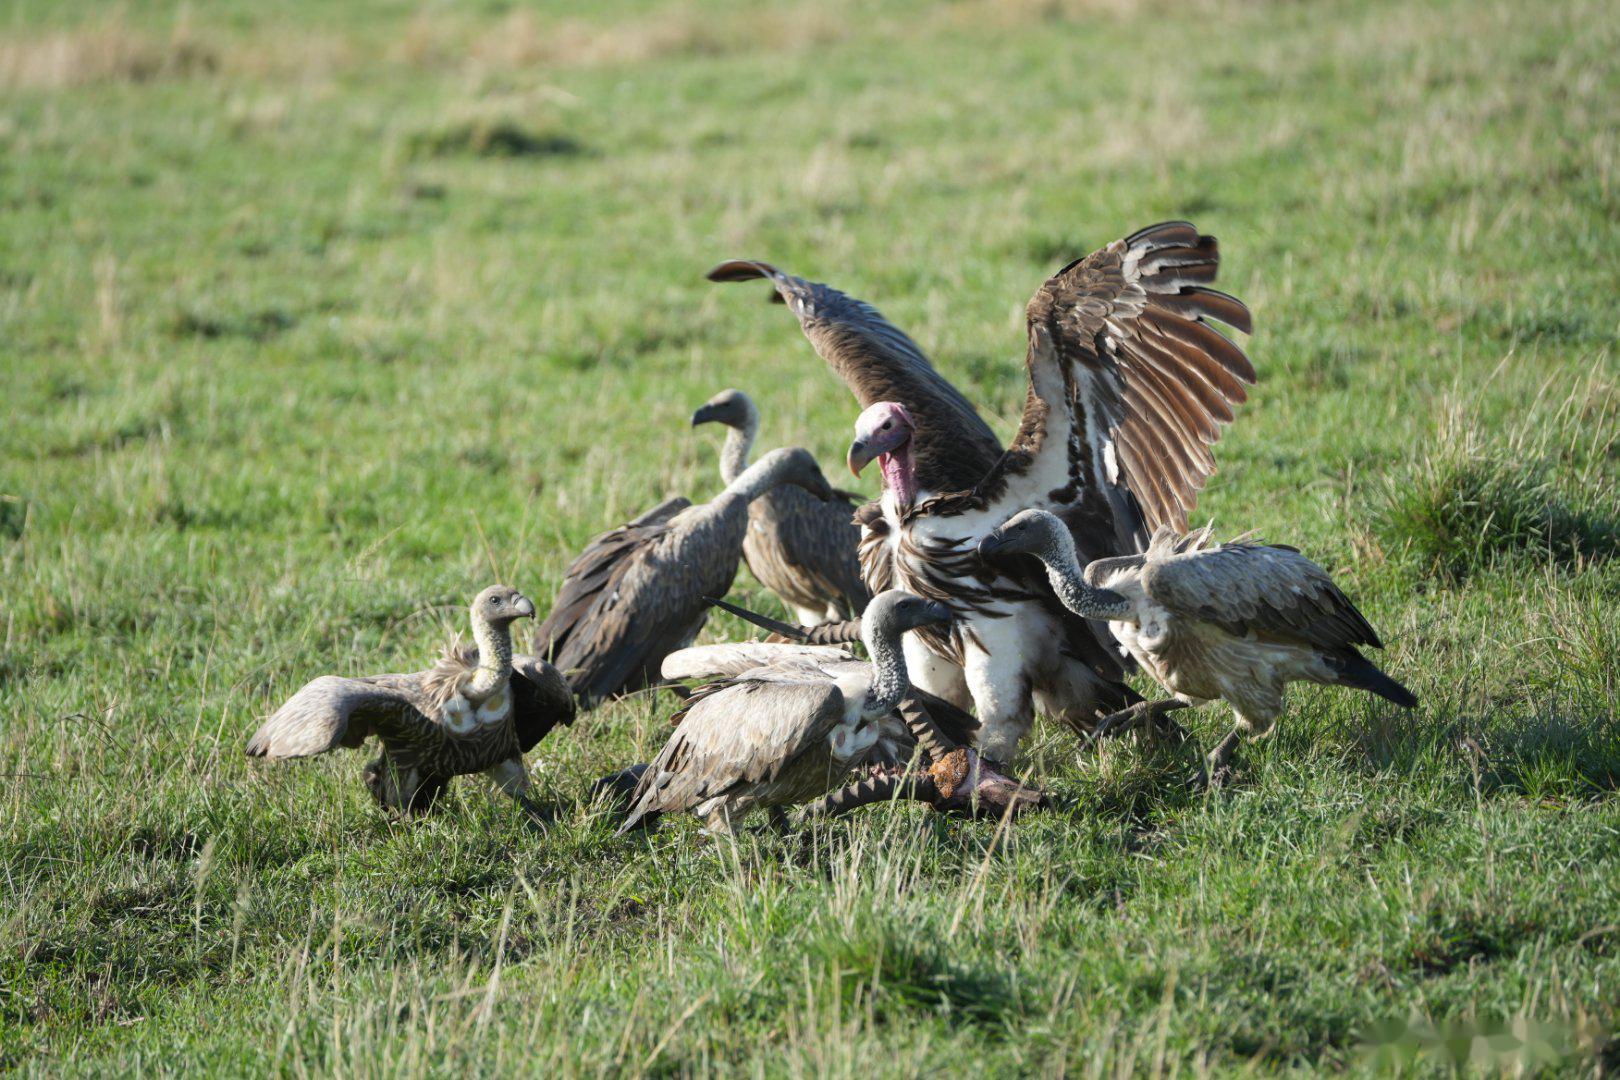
772,737
801,548
479,709
636,594
1128,387
1236,622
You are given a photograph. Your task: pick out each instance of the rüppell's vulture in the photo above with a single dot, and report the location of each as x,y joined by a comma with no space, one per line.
479,709
636,594
801,548
1236,622
1128,385
771,737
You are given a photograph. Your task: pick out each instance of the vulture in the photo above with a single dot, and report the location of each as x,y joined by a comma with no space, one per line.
955,779
774,736
799,547
1236,622
479,709
1128,386
636,594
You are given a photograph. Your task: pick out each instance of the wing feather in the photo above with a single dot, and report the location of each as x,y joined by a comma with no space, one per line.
953,447
332,711
735,734
1271,591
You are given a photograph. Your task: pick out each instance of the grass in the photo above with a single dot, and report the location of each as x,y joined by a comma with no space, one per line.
316,318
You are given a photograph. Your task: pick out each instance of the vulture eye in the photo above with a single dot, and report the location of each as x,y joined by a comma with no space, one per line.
887,424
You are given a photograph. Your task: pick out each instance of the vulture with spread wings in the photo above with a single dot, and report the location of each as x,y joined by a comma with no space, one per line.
1129,386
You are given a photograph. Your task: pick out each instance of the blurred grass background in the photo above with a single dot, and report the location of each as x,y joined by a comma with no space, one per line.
316,318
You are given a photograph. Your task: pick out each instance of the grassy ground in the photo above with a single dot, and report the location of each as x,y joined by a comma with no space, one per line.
316,318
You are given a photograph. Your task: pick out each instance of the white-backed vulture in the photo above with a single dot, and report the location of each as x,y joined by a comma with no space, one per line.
1236,622
636,594
776,737
479,709
1128,387
801,548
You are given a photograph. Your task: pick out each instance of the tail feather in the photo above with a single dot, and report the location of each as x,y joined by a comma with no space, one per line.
1363,674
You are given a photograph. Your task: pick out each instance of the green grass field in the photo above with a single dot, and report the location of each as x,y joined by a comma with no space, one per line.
315,319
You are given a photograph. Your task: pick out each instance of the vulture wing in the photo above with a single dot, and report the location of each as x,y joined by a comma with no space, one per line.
541,700
1275,592
332,711
816,555
567,637
734,733
952,444
1128,387
732,659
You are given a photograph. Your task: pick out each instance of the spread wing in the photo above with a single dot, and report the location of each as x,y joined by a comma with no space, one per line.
332,711
1128,388
541,699
731,734
1273,591
608,619
953,447
734,658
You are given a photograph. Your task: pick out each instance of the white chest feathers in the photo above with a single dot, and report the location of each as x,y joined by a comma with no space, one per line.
461,717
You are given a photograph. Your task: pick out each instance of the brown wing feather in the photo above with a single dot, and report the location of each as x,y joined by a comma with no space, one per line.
731,734
953,447
1129,386
804,550
1273,591
333,711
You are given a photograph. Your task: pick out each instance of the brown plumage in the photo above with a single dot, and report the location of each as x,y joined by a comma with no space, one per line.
1127,388
636,594
801,548
478,709
775,736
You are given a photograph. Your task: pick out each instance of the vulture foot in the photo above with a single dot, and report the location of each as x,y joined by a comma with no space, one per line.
618,787
1153,713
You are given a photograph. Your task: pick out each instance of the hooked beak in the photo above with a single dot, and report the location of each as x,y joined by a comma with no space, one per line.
704,415
524,607
939,612
990,545
860,455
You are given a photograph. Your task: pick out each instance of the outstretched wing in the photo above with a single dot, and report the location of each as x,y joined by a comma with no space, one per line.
953,447
332,711
735,733
567,636
1128,388
541,699
731,659
1273,591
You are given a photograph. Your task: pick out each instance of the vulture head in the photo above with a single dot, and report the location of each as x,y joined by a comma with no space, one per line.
892,613
501,605
883,431
732,408
1044,535
797,466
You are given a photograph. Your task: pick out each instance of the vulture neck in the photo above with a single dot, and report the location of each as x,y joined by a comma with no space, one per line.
889,682
1068,580
753,481
494,659
899,475
739,443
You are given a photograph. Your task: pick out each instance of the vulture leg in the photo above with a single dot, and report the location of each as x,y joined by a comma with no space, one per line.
619,787
1152,712
511,778
1217,766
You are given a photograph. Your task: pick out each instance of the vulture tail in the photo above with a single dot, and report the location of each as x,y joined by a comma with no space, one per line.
1357,671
